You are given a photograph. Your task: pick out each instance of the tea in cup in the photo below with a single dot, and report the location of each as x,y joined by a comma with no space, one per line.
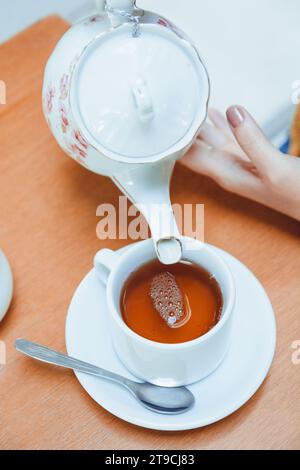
178,348
171,304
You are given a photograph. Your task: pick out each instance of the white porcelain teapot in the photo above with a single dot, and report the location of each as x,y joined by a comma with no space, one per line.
125,94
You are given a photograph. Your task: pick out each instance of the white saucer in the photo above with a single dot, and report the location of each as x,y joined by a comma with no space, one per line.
223,392
6,285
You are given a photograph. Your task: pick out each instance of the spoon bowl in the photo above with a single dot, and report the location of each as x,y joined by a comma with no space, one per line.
165,400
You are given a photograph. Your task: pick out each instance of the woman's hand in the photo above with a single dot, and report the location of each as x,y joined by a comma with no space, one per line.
236,154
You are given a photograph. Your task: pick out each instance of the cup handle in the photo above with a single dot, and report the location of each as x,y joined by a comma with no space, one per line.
104,262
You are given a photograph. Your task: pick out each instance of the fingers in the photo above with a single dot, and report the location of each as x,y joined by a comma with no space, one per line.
195,159
219,120
227,170
251,139
212,136
219,135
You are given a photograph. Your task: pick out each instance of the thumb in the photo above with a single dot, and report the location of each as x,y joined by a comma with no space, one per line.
250,137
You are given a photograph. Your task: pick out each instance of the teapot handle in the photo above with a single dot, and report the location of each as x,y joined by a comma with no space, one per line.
124,5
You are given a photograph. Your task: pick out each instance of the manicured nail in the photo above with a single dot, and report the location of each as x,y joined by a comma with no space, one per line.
236,116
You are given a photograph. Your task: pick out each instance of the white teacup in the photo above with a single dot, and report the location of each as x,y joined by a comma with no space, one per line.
166,364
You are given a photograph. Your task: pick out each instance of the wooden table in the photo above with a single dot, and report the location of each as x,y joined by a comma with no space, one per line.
48,230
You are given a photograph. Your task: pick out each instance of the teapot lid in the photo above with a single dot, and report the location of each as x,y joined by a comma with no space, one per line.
139,98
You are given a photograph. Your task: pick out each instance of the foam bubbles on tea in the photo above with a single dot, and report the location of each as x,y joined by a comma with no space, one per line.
171,304
167,298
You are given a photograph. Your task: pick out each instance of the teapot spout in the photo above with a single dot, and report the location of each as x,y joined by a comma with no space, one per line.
147,186
168,250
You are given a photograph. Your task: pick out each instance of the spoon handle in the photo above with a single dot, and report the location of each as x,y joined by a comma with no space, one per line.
50,356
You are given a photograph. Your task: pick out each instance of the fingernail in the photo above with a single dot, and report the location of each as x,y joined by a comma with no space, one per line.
236,116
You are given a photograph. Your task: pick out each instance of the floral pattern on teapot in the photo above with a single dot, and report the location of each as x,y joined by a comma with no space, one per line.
73,141
58,81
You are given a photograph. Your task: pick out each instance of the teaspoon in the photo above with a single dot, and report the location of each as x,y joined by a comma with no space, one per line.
164,400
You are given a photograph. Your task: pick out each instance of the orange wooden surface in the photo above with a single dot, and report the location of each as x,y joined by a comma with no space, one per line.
48,230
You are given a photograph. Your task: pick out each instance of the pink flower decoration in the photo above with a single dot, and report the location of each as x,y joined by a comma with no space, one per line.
64,118
94,19
79,151
64,85
76,145
79,147
163,22
80,140
50,94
